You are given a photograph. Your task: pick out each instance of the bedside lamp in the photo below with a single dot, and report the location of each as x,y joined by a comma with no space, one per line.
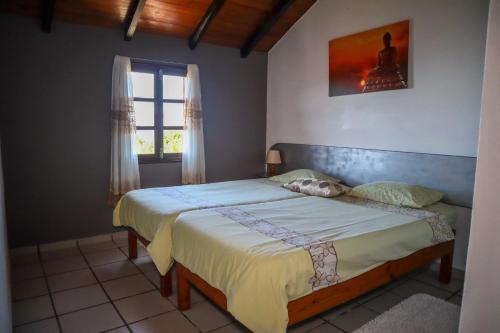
273,158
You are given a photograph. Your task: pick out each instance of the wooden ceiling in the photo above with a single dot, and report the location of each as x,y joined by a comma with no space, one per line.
233,25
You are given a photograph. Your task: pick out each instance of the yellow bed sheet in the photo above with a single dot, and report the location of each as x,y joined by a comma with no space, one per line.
264,255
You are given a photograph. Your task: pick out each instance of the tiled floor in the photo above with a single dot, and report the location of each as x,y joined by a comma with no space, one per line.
90,286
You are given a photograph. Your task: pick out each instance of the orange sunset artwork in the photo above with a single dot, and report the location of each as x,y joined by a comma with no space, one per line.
373,60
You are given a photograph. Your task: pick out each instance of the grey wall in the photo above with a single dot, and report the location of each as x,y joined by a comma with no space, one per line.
5,309
54,123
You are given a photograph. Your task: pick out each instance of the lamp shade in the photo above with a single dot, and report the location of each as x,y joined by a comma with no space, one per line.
273,157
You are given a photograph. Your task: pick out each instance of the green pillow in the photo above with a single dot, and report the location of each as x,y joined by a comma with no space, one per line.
398,194
302,173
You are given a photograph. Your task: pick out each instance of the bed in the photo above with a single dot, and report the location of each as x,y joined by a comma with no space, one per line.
211,264
150,213
452,175
304,255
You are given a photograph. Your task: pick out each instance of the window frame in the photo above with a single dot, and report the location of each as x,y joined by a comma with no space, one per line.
158,70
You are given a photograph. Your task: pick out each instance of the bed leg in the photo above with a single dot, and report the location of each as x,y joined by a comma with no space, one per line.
166,284
446,268
183,289
132,245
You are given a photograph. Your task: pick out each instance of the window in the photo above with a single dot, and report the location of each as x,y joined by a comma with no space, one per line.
159,111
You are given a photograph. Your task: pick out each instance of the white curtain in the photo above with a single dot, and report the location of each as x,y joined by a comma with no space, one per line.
124,163
193,153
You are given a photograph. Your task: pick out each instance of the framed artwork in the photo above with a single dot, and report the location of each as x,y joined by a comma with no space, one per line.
373,60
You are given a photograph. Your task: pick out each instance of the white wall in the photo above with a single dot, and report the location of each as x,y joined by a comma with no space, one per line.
5,310
481,301
438,114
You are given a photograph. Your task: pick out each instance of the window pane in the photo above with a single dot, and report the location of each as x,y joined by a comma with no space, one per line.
144,113
145,142
173,114
143,85
172,141
173,87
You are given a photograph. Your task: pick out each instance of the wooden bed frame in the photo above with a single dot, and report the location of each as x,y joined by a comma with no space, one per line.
318,301
329,297
165,280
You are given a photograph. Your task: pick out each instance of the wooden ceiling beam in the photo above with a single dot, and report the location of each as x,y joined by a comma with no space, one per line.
48,7
134,14
205,21
270,21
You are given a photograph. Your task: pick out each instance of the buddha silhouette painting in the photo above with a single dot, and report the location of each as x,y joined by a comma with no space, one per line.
370,61
386,75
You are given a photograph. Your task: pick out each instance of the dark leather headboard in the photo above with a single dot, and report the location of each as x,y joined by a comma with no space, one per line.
452,175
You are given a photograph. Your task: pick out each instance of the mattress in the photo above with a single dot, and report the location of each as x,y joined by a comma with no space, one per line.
261,256
151,212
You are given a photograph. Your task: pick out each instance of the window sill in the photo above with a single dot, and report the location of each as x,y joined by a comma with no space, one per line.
175,158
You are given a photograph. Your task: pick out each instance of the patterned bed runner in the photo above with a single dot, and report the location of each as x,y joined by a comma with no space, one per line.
181,196
186,198
323,254
441,230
